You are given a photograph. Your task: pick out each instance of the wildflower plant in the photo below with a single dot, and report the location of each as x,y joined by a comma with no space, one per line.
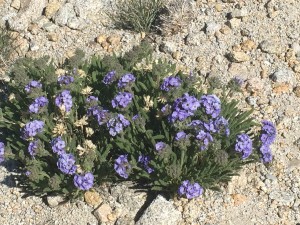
75,128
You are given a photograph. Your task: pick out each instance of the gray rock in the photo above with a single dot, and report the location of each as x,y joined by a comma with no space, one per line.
76,23
33,46
283,75
251,100
87,8
282,197
239,13
212,28
269,46
55,200
64,14
168,47
160,212
296,47
50,27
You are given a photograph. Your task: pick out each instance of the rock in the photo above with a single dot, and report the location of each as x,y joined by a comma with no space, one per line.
64,14
283,75
21,45
239,13
238,57
154,214
251,100
176,55
114,40
211,28
16,4
86,9
52,37
102,212
92,198
101,38
33,46
297,68
225,30
218,7
297,91
50,27
51,9
234,23
33,29
76,23
55,200
238,199
269,46
282,197
168,47
254,85
281,88
30,10
296,47
248,45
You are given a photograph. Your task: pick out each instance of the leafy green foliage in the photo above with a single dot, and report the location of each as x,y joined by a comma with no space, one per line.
138,15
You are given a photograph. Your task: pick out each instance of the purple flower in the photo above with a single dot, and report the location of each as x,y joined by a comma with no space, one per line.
37,104
27,173
243,145
65,79
84,182
66,163
145,160
2,146
238,81
64,99
170,82
125,80
211,104
221,125
180,135
99,114
92,98
32,147
109,78
135,117
58,145
122,166
116,124
267,157
32,128
122,100
32,84
184,107
268,133
190,190
159,146
205,138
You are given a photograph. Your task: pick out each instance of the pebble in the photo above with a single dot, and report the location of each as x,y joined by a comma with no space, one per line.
234,23
102,212
76,23
16,4
248,45
238,57
92,198
62,16
51,9
283,75
269,46
52,37
239,13
212,28
282,197
297,91
54,201
50,27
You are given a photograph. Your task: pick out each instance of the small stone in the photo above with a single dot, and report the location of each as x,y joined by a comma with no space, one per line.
248,45
50,27
239,13
297,91
254,85
281,88
264,73
101,38
176,55
238,57
251,100
269,46
16,4
33,29
154,215
102,212
168,47
92,198
219,7
282,197
52,37
297,68
212,28
33,46
62,16
296,47
111,217
51,9
283,75
234,23
55,200
238,199
114,40
225,30
76,23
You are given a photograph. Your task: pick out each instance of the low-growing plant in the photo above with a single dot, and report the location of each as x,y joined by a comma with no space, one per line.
72,129
138,15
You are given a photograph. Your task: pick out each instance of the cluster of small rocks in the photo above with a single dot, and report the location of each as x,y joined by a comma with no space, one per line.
256,40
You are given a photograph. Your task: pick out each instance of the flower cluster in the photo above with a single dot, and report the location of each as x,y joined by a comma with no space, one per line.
170,82
65,80
211,104
32,147
243,145
84,182
190,190
180,135
92,98
159,146
184,107
58,145
122,166
2,146
126,80
221,125
101,115
109,78
267,137
205,138
32,128
145,160
37,104
66,163
64,100
116,124
32,84
122,100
